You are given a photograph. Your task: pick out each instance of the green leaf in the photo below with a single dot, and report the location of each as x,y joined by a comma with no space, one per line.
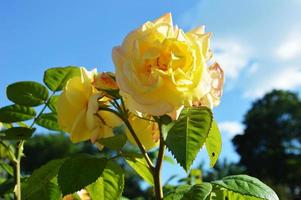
16,113
110,185
188,134
213,144
246,185
49,121
7,167
52,103
198,192
17,133
138,163
41,184
7,187
27,93
187,192
79,171
178,193
115,143
7,151
56,78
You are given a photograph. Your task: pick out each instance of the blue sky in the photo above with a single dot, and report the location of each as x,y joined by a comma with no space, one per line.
258,43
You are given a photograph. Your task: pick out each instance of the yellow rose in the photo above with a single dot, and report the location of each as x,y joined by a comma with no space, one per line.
159,68
77,109
147,131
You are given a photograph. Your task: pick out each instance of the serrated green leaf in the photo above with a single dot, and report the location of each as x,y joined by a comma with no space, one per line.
169,159
115,143
27,93
16,113
110,185
138,163
52,103
219,193
41,182
188,134
187,192
198,192
246,185
178,193
17,133
213,144
79,171
49,121
56,78
7,167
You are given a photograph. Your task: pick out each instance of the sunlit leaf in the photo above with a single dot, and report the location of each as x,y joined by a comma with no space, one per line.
56,78
188,134
110,185
16,113
49,121
213,144
27,93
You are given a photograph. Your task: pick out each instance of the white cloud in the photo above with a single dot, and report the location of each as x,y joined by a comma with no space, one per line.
232,56
287,78
290,48
231,128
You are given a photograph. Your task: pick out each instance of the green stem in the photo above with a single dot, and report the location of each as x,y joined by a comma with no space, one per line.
19,153
127,123
158,167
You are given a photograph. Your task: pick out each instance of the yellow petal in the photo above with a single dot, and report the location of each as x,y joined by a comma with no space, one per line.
79,130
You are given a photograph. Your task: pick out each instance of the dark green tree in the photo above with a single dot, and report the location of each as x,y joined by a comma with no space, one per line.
270,147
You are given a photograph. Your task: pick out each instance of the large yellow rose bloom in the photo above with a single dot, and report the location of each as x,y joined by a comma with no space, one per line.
77,109
159,68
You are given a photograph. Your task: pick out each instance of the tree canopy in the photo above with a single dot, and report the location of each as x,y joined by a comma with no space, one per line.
270,147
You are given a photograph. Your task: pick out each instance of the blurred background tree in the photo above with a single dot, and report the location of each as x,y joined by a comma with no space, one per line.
270,147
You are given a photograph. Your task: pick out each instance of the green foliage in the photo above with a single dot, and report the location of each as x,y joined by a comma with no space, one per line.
270,145
213,143
52,103
138,163
115,142
79,171
17,133
7,151
49,121
178,193
27,93
187,136
198,192
56,78
110,185
16,113
6,167
246,185
41,184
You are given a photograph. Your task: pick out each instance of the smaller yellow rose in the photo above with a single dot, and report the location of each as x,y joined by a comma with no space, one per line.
78,109
146,130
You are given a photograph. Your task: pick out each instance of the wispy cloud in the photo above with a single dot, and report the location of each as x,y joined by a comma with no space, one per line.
290,48
231,128
286,78
232,56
